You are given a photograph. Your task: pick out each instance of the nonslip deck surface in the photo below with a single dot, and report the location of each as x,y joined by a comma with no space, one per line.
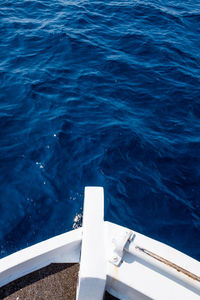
56,281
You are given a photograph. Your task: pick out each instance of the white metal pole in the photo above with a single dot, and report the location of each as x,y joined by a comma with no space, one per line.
92,273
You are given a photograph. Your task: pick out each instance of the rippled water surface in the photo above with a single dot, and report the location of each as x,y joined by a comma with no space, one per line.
100,93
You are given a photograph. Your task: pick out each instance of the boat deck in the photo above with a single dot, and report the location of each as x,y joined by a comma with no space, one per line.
56,281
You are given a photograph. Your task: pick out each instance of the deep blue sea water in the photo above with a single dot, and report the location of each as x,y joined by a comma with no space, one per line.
100,93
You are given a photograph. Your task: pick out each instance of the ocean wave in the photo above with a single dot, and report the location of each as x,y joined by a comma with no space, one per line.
107,94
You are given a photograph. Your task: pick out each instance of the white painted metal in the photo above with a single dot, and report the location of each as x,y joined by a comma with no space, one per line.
168,267
119,243
60,249
139,277
92,274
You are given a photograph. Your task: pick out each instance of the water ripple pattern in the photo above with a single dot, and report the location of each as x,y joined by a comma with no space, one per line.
100,93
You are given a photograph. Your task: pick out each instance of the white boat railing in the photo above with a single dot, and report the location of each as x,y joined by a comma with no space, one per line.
127,264
135,266
92,273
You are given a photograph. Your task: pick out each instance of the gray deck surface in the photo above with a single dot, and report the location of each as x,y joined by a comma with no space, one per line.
56,281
